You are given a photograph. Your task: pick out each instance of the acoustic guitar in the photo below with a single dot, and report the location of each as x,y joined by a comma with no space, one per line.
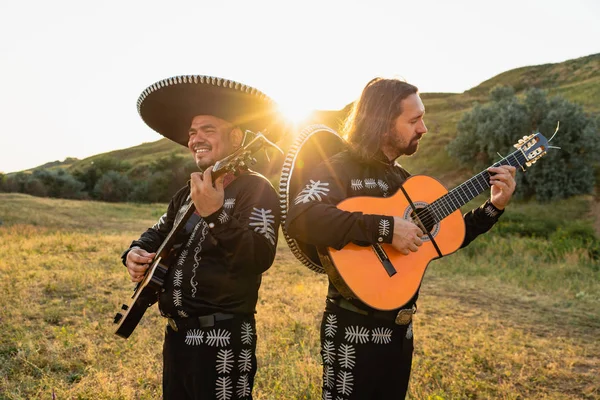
386,279
146,291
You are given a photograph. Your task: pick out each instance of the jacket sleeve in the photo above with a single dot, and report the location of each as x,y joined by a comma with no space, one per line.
314,218
249,235
152,238
480,220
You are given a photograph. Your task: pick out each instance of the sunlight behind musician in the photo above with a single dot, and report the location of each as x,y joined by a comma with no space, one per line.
295,113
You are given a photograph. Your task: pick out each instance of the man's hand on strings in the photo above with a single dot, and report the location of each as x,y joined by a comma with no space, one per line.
207,198
503,184
407,236
137,262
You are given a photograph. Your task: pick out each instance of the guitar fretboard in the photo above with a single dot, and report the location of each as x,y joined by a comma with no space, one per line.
467,191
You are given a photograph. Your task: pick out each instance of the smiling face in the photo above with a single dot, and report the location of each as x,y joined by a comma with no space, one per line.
407,129
212,139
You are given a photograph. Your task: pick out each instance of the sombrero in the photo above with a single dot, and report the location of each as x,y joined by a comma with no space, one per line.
168,106
314,145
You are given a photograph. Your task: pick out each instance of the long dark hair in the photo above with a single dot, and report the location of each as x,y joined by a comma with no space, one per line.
373,115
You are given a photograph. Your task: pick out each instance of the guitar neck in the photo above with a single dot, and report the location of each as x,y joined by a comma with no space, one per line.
467,191
188,210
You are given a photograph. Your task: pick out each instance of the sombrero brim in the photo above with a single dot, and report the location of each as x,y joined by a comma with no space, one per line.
315,144
169,105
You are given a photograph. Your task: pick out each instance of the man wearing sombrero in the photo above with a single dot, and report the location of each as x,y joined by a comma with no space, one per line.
211,288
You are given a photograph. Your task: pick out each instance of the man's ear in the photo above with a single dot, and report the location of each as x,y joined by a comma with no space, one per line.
236,136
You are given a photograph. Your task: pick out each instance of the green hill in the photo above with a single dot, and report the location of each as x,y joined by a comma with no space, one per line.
577,80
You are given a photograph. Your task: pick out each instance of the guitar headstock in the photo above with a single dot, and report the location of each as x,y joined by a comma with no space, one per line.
243,156
533,147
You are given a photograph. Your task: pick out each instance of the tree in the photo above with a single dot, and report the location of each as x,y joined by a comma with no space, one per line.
112,186
493,128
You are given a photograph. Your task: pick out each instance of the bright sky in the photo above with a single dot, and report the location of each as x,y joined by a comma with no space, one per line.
71,71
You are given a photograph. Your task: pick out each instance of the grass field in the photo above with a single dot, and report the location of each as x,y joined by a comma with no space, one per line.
513,316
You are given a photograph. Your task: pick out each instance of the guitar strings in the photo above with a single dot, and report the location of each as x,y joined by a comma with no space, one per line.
445,205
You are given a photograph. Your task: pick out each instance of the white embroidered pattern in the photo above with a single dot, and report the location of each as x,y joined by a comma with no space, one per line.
356,184
243,387
346,356
326,395
224,361
223,217
345,381
218,337
177,277
182,257
182,314
194,337
160,222
328,352
328,378
384,227
357,334
330,325
490,211
381,335
193,235
245,360
315,190
262,221
370,183
246,333
197,256
383,185
177,297
409,331
229,203
223,388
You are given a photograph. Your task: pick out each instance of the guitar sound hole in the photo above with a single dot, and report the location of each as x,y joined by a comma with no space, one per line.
426,218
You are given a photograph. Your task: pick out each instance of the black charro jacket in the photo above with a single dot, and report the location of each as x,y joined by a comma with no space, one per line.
218,264
313,217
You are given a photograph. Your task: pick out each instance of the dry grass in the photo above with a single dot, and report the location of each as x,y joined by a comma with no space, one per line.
478,336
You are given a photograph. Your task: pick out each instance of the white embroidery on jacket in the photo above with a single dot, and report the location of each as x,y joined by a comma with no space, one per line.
223,217
262,221
312,191
229,203
383,185
356,184
328,378
370,183
384,227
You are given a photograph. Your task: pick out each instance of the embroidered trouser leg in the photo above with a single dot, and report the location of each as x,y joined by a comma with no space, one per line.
364,358
217,362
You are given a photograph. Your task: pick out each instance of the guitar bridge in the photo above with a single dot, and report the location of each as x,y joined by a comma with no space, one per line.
384,259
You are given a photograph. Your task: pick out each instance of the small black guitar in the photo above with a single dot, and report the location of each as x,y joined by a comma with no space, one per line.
146,292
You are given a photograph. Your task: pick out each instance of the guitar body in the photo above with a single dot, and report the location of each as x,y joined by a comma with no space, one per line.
145,295
359,266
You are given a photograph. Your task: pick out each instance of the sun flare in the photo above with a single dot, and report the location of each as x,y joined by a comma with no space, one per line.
295,114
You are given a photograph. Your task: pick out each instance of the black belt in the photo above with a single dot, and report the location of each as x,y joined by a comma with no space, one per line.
205,321
399,317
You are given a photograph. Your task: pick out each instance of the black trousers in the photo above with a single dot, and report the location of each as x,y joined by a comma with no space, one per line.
364,358
217,362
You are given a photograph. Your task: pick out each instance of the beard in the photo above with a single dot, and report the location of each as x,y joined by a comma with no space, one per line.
399,146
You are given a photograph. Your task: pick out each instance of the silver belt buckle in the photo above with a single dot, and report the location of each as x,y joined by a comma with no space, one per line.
172,324
404,316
